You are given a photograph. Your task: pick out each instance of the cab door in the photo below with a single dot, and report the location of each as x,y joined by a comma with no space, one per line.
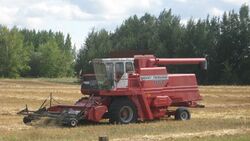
121,73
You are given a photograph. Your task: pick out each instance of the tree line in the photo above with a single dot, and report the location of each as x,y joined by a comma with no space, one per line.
30,53
224,41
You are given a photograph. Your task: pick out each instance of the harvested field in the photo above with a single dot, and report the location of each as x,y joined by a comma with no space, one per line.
226,116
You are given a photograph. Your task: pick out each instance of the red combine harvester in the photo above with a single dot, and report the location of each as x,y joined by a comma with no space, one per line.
125,90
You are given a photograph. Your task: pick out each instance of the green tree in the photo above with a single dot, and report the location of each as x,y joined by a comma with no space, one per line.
97,45
243,50
13,56
67,57
170,34
50,65
59,37
228,46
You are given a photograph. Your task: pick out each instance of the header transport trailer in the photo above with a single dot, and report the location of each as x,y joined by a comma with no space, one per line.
126,90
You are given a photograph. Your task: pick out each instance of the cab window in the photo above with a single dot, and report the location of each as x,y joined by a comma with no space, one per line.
119,70
110,71
129,67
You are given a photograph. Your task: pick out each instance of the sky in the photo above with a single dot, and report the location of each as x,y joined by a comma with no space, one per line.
79,17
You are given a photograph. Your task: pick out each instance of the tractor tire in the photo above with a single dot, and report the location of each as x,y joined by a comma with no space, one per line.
122,111
73,122
182,114
27,120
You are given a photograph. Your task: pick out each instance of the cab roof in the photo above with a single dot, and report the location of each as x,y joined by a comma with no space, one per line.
107,60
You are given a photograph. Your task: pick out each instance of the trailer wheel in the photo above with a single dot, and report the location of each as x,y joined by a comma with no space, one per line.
122,111
182,114
26,120
73,122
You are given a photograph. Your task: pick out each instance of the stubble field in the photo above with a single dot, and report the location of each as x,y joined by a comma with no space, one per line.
226,116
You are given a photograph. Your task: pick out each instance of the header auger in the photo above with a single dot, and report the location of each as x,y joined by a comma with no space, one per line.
125,90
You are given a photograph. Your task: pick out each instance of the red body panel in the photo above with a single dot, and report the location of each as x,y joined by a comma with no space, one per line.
161,101
96,113
146,77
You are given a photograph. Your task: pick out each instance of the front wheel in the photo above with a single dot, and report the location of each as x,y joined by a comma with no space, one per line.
122,111
27,120
182,114
73,122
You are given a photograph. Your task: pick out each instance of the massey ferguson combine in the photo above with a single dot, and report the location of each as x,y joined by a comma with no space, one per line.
126,90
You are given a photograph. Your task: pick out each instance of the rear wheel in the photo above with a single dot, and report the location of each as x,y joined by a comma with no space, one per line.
182,114
122,111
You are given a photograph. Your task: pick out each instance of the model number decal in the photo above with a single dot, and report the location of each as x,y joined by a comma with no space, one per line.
153,77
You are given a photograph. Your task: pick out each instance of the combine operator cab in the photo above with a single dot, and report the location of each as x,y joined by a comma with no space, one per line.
109,74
